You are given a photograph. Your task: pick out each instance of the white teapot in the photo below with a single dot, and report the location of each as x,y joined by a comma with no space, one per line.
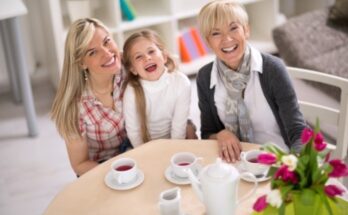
217,187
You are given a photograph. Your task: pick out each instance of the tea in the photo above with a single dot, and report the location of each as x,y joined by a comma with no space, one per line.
253,160
184,163
123,168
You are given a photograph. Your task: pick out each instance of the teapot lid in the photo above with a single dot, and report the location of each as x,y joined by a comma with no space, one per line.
220,169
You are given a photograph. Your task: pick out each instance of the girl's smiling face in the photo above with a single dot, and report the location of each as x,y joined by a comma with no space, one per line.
228,42
147,60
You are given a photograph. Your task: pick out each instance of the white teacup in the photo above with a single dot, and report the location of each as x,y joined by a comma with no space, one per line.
249,159
181,162
124,170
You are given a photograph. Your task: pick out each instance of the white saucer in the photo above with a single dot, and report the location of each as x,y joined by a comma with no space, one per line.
113,184
171,177
249,179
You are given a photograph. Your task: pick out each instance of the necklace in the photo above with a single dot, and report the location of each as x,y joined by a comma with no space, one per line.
105,97
102,93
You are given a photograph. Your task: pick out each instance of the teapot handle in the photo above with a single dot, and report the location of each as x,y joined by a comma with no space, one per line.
251,192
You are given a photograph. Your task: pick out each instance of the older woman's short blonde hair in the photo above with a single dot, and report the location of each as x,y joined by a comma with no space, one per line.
219,12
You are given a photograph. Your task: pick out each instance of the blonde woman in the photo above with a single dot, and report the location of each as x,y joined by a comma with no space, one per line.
87,108
244,95
157,98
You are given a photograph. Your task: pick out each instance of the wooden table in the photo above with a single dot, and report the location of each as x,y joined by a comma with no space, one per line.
90,195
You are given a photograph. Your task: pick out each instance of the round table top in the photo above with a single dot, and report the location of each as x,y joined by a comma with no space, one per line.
90,195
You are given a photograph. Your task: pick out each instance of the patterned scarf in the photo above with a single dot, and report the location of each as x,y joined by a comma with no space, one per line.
237,116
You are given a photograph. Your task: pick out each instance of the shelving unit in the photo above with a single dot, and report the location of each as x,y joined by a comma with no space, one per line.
169,18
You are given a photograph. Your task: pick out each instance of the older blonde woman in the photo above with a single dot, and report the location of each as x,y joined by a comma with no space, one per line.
87,108
244,95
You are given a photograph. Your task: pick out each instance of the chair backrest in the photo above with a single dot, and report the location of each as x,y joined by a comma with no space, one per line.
337,117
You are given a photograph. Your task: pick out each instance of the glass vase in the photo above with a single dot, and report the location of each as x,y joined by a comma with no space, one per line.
307,206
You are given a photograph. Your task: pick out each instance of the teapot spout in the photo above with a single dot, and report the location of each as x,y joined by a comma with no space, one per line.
196,185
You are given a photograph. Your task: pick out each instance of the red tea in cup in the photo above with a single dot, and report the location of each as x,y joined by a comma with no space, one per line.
123,168
184,163
253,160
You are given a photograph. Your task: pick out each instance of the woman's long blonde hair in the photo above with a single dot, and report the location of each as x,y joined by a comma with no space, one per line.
134,80
65,112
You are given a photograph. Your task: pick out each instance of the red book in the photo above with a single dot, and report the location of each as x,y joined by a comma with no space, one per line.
190,44
198,41
184,53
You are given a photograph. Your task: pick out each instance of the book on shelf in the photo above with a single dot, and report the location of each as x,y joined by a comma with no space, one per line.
127,10
202,48
184,53
191,45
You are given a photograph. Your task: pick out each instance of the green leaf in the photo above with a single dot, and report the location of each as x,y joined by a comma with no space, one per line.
272,171
316,175
278,183
282,209
324,171
285,190
302,170
270,147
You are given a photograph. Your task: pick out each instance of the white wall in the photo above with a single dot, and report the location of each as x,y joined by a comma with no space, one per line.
295,7
30,57
44,55
35,36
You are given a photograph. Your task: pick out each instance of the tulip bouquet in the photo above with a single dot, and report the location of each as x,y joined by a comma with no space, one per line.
299,181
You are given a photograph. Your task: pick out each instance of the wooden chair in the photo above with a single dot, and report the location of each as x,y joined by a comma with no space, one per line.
329,115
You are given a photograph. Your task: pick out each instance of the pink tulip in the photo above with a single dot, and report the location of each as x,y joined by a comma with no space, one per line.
260,204
333,190
339,169
267,158
318,138
306,135
319,143
320,147
286,175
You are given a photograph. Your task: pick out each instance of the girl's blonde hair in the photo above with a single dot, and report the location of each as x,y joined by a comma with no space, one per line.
219,12
133,79
65,111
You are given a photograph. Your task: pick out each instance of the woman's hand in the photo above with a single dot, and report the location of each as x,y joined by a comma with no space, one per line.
229,146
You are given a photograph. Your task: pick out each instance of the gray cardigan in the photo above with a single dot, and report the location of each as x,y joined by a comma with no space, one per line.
279,93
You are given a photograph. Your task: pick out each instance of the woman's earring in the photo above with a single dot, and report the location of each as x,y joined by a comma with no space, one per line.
85,74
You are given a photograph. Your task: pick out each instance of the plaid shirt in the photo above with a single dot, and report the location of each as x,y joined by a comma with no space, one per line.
103,127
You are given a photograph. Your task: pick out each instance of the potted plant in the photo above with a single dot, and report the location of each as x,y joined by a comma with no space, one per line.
299,180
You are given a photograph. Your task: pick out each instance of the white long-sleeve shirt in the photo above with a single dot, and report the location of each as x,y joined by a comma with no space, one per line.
167,108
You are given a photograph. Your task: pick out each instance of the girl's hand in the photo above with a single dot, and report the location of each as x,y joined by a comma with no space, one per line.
229,146
191,130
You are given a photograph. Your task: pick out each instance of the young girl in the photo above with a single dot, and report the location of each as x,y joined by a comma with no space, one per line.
156,99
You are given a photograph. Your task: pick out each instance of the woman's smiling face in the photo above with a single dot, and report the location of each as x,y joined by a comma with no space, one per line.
102,55
228,42
147,60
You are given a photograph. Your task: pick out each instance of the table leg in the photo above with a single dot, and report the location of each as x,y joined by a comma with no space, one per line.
22,74
6,41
